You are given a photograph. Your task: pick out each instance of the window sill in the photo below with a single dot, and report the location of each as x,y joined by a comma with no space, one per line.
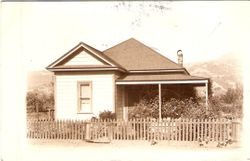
84,112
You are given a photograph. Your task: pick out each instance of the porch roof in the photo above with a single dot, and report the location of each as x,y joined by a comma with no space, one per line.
173,78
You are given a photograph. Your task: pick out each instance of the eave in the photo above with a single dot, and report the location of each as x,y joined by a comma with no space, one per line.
85,69
159,71
194,82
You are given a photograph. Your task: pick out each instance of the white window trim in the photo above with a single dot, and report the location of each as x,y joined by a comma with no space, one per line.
79,83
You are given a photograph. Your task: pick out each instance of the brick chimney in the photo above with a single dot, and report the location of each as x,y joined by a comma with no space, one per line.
180,57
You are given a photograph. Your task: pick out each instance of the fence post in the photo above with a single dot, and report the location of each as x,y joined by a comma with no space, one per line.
235,130
87,134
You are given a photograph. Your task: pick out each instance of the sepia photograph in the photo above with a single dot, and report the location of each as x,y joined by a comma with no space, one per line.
124,81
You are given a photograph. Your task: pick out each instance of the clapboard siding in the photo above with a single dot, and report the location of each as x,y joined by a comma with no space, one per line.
84,58
66,95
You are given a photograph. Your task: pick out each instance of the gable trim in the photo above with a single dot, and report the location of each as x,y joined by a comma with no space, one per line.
88,50
86,69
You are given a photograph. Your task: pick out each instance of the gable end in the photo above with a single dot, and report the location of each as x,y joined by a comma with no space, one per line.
81,55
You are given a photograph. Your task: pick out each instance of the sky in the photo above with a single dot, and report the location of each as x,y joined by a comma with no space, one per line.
202,30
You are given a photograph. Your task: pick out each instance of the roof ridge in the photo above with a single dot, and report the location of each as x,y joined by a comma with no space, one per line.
119,44
158,53
143,45
131,46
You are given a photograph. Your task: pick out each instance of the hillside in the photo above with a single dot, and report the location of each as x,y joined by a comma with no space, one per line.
225,72
40,80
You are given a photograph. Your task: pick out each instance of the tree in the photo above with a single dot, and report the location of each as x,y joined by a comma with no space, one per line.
39,101
232,100
233,94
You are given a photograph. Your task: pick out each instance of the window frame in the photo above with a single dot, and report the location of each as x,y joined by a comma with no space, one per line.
79,83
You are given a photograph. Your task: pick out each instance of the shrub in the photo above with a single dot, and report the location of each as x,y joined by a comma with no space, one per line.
144,109
173,108
226,106
176,108
107,115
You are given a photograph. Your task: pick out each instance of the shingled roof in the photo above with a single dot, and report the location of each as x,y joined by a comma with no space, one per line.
134,55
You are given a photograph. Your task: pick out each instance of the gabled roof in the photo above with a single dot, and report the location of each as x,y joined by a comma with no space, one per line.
134,55
108,63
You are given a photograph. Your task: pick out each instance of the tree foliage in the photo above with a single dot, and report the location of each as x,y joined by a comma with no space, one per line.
39,101
233,95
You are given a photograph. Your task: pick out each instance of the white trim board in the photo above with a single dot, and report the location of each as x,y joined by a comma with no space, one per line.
157,70
88,69
163,82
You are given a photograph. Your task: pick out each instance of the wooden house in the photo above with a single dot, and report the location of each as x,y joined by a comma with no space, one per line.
89,81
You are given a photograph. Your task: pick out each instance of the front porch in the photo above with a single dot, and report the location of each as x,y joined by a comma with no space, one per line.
129,93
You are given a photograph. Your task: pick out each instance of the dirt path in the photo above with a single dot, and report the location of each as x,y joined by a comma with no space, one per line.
126,151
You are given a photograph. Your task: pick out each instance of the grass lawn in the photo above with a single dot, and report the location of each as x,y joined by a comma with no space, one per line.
77,150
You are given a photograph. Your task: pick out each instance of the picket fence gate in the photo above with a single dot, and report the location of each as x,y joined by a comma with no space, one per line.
213,130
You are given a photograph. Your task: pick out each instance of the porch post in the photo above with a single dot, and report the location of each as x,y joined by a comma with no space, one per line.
206,96
159,87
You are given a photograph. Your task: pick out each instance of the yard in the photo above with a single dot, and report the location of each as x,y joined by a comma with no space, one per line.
77,150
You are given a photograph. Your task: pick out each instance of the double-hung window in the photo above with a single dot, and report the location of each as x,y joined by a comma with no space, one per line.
84,97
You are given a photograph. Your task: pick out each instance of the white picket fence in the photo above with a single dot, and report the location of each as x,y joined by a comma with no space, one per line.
56,129
167,129
136,129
